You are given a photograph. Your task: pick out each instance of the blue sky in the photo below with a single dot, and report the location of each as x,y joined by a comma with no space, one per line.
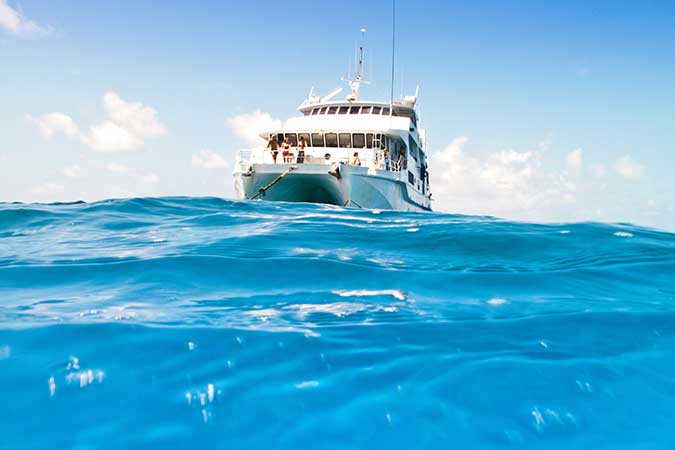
545,111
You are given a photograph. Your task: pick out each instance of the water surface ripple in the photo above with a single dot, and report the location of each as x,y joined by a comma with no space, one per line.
204,323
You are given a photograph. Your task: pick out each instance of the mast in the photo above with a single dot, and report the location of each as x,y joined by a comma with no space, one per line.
355,84
393,54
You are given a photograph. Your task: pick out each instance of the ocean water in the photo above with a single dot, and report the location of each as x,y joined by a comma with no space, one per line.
195,323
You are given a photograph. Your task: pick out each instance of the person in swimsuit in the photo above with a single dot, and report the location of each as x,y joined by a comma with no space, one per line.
301,150
274,147
286,151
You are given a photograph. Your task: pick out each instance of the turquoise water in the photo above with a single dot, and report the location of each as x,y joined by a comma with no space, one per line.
202,323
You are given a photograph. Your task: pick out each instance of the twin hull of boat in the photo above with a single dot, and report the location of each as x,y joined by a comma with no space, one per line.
312,183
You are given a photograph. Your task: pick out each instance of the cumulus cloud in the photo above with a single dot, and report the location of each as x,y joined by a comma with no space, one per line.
50,124
208,159
126,128
628,168
249,126
13,21
505,183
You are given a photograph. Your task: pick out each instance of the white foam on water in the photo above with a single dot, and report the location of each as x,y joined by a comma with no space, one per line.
565,231
538,419
52,386
309,251
307,384
368,293
584,386
623,234
338,309
264,315
85,378
191,345
497,301
73,364
413,230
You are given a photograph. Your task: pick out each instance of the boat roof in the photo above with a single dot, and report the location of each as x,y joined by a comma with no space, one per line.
308,106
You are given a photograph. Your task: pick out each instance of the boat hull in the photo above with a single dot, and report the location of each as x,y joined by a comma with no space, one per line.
320,183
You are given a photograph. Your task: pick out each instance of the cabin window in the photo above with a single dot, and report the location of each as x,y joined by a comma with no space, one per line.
306,136
323,110
406,112
359,140
331,140
292,139
411,178
317,140
369,140
343,109
385,111
345,140
354,110
315,111
332,110
377,109
280,138
366,109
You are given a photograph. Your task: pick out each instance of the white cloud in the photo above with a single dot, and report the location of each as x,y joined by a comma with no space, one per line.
208,159
71,171
117,168
50,124
111,137
628,168
150,178
127,127
249,126
506,183
15,22
575,161
138,119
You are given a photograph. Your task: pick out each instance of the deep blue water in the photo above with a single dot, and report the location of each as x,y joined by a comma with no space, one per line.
202,323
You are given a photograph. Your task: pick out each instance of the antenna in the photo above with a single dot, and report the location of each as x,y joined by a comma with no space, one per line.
393,52
355,84
359,74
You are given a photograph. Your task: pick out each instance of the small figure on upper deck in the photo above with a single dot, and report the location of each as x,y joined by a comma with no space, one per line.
286,151
301,150
274,147
355,161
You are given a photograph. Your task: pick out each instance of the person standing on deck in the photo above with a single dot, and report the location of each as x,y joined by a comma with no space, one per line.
274,147
301,150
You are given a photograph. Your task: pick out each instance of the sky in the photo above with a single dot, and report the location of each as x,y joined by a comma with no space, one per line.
535,111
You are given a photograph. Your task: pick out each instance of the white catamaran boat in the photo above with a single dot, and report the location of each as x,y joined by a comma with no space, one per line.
348,152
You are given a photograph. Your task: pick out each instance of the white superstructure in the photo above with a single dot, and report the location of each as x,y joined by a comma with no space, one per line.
390,148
